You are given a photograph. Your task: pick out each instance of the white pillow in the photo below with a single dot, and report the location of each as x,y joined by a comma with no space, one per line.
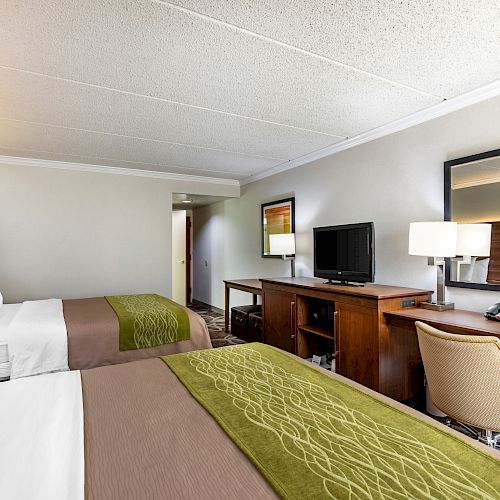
466,270
480,271
1,299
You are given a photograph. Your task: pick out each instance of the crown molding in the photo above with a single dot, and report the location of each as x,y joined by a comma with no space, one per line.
83,167
436,111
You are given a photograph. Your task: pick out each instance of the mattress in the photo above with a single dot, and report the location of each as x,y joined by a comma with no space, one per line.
147,436
93,336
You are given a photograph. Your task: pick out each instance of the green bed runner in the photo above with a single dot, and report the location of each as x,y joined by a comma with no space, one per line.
312,436
149,320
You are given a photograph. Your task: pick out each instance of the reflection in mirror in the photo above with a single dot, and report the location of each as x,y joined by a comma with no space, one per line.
475,202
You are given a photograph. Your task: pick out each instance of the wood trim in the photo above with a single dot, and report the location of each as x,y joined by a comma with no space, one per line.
369,291
247,285
368,302
454,321
494,266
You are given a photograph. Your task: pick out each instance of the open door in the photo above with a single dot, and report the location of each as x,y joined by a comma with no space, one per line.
179,256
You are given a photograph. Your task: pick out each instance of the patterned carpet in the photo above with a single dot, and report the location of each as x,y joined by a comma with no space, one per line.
215,324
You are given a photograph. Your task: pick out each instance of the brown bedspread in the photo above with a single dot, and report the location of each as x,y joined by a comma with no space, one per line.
93,336
147,438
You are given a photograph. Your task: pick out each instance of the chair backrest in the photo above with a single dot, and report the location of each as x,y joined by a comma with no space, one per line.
463,374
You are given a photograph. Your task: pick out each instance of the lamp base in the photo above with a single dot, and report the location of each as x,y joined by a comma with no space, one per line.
434,306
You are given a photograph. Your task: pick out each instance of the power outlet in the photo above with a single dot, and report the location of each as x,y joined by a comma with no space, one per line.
408,303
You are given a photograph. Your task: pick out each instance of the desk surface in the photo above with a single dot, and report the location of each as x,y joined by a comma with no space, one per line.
247,285
471,322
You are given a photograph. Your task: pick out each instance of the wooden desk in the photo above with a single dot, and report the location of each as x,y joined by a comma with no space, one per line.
253,286
453,321
403,341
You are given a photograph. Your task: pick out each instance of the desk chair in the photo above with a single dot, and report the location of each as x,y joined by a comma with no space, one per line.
463,374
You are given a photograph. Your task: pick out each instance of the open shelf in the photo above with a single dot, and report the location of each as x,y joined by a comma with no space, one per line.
315,327
318,330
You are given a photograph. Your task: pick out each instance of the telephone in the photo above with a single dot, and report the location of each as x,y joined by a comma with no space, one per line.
493,312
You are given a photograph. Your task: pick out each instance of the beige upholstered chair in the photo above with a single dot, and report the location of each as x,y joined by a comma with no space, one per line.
463,375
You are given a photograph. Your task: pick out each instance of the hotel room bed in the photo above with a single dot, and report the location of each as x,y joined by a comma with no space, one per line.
77,334
148,429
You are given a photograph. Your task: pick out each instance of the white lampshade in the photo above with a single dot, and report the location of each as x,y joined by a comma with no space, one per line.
433,239
474,240
282,244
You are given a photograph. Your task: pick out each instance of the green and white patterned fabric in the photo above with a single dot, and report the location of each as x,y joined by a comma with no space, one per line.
149,320
313,436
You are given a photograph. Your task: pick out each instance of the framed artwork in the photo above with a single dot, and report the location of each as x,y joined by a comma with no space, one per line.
278,217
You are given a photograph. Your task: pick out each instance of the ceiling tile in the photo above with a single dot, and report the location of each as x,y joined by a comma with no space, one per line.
152,49
75,159
198,95
24,97
441,47
35,138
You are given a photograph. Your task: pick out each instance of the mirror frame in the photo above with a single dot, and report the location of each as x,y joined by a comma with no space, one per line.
447,215
290,200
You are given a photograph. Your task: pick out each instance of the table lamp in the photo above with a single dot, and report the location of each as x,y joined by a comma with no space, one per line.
284,245
473,240
435,240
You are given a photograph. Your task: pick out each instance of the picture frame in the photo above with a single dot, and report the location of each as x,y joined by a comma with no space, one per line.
277,217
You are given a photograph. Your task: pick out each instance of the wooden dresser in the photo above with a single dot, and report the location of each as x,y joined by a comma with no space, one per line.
299,313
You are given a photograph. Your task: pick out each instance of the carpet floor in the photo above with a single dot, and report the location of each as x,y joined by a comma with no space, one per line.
215,324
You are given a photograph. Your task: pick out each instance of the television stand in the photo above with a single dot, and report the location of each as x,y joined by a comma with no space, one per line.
341,283
305,317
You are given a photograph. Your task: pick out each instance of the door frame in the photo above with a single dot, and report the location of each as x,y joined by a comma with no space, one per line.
188,259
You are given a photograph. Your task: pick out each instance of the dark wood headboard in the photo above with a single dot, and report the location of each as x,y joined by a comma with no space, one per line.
494,267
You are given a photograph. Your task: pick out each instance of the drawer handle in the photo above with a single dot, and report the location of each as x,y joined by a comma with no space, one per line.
292,319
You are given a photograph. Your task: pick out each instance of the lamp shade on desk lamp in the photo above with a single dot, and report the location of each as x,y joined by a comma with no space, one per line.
433,239
474,240
283,244
436,240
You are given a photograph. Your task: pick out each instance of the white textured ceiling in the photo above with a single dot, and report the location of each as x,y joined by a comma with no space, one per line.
224,88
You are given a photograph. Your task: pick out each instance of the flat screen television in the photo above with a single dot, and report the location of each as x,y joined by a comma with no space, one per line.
345,253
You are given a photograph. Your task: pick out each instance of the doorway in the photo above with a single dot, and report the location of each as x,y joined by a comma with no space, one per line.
185,208
179,260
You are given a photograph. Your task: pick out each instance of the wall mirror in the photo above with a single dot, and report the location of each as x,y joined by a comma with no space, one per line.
278,217
472,196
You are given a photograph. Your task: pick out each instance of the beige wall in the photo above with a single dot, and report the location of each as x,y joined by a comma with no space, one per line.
392,181
82,234
477,203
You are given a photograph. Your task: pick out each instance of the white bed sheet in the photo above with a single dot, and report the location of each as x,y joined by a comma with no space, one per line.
37,339
41,438
7,313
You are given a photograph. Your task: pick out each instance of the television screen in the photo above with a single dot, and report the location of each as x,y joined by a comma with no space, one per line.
345,252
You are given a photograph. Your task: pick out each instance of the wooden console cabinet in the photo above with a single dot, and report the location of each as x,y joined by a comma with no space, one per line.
354,323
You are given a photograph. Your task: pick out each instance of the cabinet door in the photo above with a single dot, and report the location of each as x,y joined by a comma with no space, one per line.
279,319
357,343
